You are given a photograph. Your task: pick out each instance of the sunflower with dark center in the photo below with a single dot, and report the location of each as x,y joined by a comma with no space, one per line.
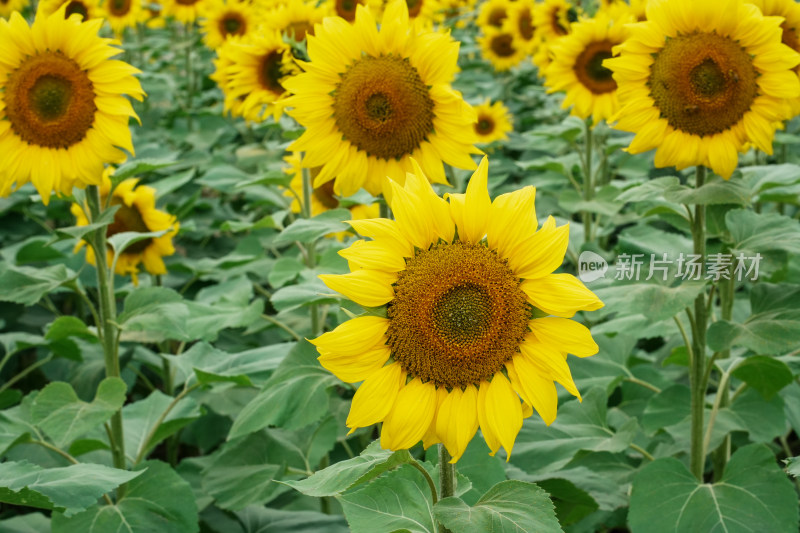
251,71
87,9
123,14
520,23
184,11
493,122
493,13
701,82
10,6
63,113
466,341
345,8
295,19
501,48
370,101
225,19
136,212
577,66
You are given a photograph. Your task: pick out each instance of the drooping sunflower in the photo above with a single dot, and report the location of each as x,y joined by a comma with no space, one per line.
251,73
370,101
10,6
577,66
493,13
699,81
468,286
520,23
225,18
501,48
790,32
184,11
122,14
295,18
322,198
63,113
87,9
493,122
137,212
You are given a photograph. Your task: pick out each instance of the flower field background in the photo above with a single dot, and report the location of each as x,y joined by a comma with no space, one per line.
251,352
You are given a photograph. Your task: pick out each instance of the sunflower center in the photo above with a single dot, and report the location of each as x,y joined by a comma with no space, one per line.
589,67
119,8
484,126
232,24
325,195
50,101
298,30
76,7
458,315
525,24
346,9
703,83
270,73
503,45
561,20
383,107
497,16
129,218
414,7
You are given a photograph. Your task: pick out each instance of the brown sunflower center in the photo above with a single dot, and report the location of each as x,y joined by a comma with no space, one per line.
298,30
703,83
324,193
502,45
50,101
186,2
76,7
525,24
128,218
347,9
485,125
458,315
119,8
414,7
383,107
4,2
271,72
589,67
561,19
232,24
497,16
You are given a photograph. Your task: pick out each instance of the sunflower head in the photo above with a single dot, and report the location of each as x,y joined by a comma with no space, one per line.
85,9
225,19
295,19
699,82
10,6
493,122
502,48
493,13
136,212
122,14
466,341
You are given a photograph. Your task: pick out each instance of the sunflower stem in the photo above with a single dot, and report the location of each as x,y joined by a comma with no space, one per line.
588,181
698,360
311,252
447,479
189,78
106,328
720,456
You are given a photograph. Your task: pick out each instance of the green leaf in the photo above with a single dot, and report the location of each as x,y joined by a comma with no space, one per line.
765,374
68,326
509,507
655,302
293,397
651,190
239,225
137,167
572,503
753,495
172,183
285,270
763,420
121,241
667,408
293,296
339,477
64,417
210,364
482,470
77,232
154,314
204,321
243,474
158,500
27,523
793,466
69,489
27,285
399,501
756,232
266,520
307,230
714,192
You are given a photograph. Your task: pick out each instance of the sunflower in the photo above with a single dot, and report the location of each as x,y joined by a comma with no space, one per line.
251,73
295,18
520,23
62,109
467,286
577,66
493,123
493,13
137,212
345,8
322,198
123,14
184,11
153,17
9,6
422,13
87,9
790,32
501,49
700,81
551,19
456,13
371,100
223,19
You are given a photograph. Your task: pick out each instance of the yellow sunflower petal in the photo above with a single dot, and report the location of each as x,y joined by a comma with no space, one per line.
564,335
560,295
375,397
370,288
409,419
354,336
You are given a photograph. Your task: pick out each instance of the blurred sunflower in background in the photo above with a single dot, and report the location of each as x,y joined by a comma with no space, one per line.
371,100
493,122
520,24
10,6
87,9
467,286
501,49
294,19
700,82
122,14
551,19
184,11
63,113
345,9
224,19
577,66
137,212
493,13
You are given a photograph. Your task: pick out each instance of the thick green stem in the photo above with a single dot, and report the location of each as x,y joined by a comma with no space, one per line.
311,251
447,478
107,328
720,456
588,182
698,360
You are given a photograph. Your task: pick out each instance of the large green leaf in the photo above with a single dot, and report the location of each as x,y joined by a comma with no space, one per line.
27,523
257,519
154,314
64,417
159,500
293,397
244,368
27,285
765,374
483,470
753,495
509,507
343,475
69,489
717,191
760,232
398,501
306,230
655,302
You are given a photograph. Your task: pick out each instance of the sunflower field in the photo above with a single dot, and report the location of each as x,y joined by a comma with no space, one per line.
424,266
